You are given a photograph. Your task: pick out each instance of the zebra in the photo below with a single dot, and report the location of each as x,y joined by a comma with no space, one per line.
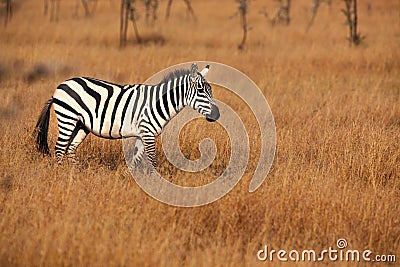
86,105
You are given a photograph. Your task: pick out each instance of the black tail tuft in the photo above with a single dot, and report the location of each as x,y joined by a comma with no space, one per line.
42,127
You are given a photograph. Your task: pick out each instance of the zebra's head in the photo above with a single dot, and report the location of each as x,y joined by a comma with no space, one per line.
200,94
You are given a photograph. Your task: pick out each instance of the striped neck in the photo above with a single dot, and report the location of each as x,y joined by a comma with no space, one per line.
171,98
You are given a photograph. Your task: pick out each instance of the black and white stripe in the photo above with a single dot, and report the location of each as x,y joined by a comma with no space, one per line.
87,105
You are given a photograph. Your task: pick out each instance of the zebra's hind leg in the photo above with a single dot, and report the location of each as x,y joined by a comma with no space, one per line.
78,136
71,134
67,129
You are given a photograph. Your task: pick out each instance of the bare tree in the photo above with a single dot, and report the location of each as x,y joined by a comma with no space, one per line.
89,7
127,13
8,11
54,9
315,8
151,7
243,8
350,11
282,16
45,6
188,8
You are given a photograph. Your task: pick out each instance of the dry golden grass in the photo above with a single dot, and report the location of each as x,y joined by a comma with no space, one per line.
336,172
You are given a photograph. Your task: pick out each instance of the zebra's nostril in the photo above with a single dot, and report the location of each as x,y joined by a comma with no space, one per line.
214,115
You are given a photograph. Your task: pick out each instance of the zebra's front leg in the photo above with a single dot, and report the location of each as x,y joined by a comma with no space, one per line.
138,151
149,142
71,155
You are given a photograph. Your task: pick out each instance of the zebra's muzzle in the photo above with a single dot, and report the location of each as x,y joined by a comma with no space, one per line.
214,115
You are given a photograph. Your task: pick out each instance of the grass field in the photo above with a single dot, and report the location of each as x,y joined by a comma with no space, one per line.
336,172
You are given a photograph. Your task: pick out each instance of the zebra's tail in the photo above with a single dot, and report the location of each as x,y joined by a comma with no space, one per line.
42,127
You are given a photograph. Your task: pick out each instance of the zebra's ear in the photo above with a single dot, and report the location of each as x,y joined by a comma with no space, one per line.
193,70
205,70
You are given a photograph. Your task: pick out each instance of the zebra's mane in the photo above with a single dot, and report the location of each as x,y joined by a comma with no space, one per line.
175,74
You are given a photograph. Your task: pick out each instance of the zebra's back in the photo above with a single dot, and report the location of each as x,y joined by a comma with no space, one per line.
106,109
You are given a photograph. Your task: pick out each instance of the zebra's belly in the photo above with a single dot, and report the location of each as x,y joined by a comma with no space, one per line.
113,130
